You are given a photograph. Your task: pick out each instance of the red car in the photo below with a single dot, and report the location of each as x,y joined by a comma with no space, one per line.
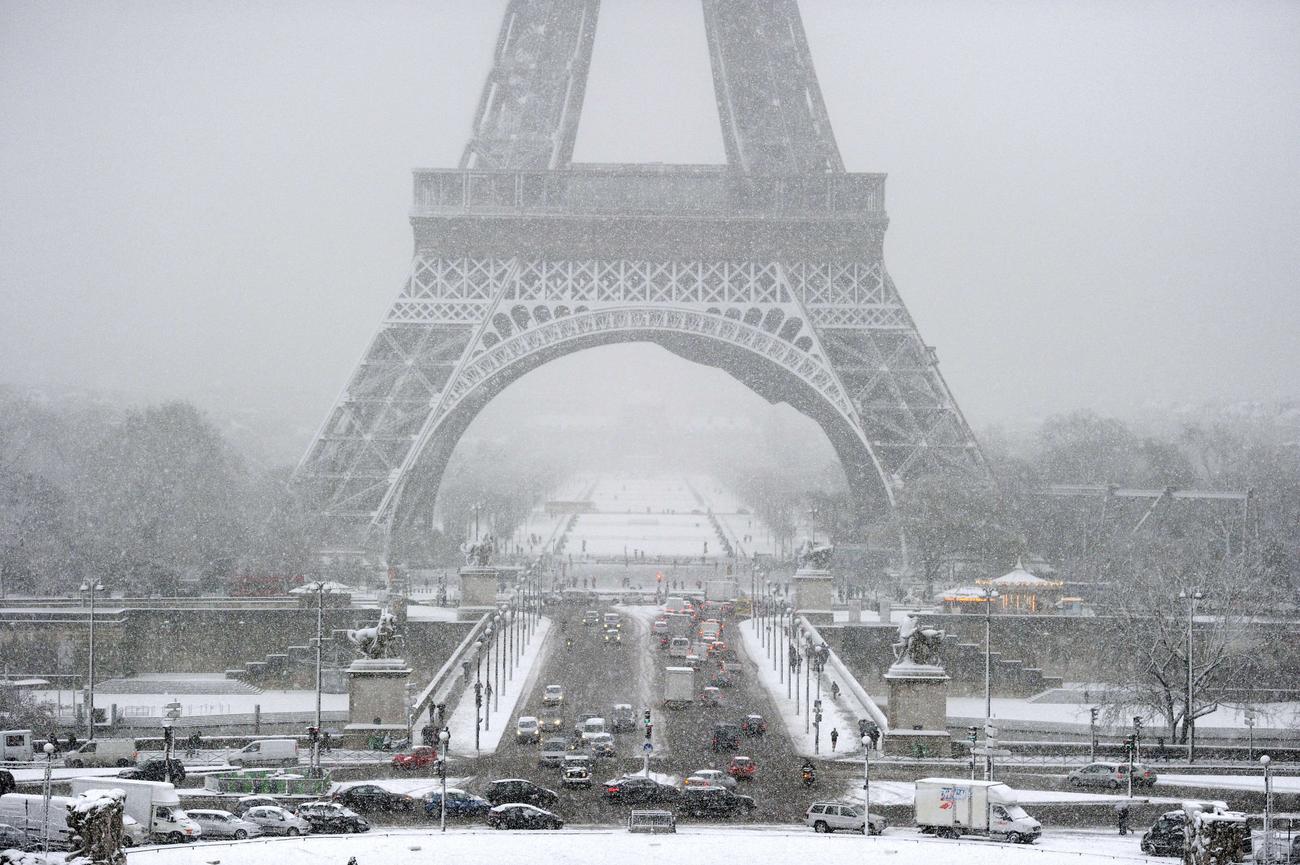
742,768
419,758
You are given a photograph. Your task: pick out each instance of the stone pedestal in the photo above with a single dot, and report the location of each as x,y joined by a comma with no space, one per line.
814,595
478,586
376,698
918,711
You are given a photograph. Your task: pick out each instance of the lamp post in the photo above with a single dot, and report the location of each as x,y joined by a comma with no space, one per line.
319,588
48,748
487,688
811,663
93,587
444,736
1188,723
496,648
1250,726
866,785
510,645
762,631
989,595
478,692
1264,760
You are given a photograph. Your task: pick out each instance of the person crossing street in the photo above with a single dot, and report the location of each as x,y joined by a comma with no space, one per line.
835,737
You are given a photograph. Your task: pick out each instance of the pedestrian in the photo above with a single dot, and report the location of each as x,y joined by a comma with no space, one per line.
835,690
875,737
1121,817
835,737
426,734
326,745
72,741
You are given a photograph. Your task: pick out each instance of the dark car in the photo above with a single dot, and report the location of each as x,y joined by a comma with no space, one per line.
332,818
726,737
371,797
459,804
516,815
507,790
155,770
713,802
635,790
753,725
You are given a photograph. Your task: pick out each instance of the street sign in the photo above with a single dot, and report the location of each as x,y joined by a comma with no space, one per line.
648,747
991,752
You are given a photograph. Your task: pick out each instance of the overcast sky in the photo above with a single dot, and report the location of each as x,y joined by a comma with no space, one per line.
1092,204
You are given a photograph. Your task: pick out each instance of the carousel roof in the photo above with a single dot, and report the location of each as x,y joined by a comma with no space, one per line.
1021,578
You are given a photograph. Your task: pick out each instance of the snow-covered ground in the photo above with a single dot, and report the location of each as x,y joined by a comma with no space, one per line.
1268,715
504,700
1281,783
834,715
152,705
692,845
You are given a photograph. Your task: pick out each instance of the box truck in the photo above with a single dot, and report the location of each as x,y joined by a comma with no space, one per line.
26,812
951,807
153,803
679,687
720,590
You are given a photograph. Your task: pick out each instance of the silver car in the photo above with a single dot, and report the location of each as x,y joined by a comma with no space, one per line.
223,824
277,821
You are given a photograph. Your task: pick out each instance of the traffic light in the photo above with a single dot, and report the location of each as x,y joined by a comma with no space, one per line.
313,733
1137,725
645,717
972,733
659,577
1095,711
1129,741
649,730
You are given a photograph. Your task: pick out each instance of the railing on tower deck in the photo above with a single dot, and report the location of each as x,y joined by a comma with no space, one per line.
647,190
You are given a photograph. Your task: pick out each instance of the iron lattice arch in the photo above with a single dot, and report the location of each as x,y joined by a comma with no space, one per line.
770,267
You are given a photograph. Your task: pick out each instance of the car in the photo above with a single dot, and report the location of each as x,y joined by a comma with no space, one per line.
223,824
1111,775
840,817
332,818
551,722
420,757
713,801
742,768
246,802
590,726
710,697
613,620
710,778
575,778
276,821
601,745
613,636
552,751
753,725
591,617
553,695
623,718
576,760
637,789
459,804
7,782
517,815
155,770
505,790
726,737
659,627
528,729
368,798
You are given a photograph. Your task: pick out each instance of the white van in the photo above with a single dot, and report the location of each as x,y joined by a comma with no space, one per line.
679,647
103,752
593,727
16,745
26,813
266,752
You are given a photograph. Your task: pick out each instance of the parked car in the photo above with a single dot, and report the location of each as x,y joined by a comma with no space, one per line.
419,757
637,789
753,725
840,817
332,818
553,695
601,746
155,770
459,804
102,752
713,801
552,751
368,798
710,778
742,768
527,730
223,824
575,778
1111,775
246,802
506,790
276,821
520,816
726,737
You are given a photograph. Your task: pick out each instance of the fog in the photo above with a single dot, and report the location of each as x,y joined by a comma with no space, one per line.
1091,204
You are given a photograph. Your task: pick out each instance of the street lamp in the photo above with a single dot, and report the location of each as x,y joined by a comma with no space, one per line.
499,661
1250,726
320,589
478,692
487,689
48,748
93,587
1264,760
1189,723
989,595
866,785
807,683
443,738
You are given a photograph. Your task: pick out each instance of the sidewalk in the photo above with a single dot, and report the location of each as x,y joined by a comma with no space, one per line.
504,700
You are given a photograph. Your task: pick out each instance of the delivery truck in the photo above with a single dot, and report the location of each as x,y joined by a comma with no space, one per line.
951,807
679,625
153,803
679,687
720,590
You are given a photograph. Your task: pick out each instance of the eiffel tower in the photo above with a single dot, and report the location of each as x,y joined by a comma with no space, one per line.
769,267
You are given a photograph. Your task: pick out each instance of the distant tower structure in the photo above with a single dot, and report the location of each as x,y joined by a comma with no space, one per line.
769,267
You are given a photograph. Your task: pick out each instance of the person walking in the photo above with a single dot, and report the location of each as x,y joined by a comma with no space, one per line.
835,737
1121,817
